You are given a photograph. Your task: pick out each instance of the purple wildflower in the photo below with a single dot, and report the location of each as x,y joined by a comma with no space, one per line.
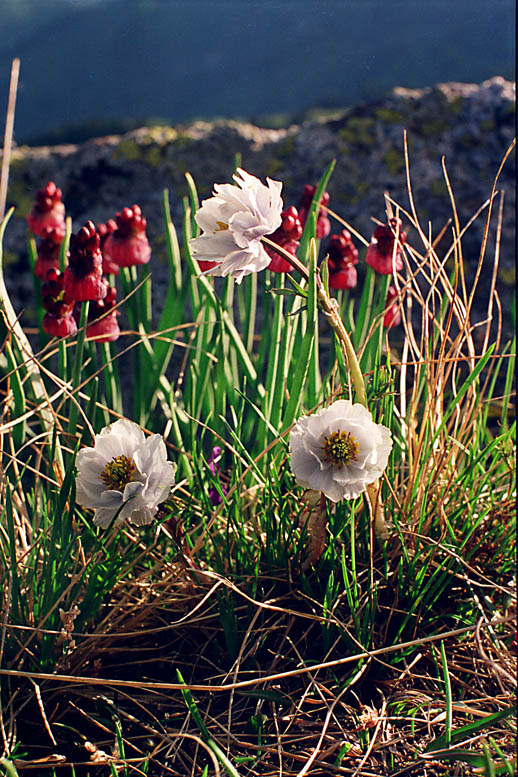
213,462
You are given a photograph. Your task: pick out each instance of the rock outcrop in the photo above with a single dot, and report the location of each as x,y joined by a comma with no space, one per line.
471,126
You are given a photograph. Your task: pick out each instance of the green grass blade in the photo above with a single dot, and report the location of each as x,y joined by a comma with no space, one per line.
303,357
447,696
470,729
303,249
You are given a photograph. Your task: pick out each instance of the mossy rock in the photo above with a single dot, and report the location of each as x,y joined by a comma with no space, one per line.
18,166
389,116
360,189
507,275
19,195
128,149
274,166
456,105
359,132
394,161
467,142
182,142
153,156
160,135
432,127
286,147
487,126
438,188
9,258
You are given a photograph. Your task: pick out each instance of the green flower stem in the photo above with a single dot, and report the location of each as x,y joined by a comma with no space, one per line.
331,311
62,360
111,382
78,363
63,251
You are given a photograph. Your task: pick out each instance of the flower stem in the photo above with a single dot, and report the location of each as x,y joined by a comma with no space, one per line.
330,309
78,363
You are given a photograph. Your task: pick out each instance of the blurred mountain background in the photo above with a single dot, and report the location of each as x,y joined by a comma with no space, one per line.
94,67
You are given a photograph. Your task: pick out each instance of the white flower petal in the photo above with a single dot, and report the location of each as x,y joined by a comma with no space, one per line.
233,221
213,246
143,516
338,480
150,475
103,517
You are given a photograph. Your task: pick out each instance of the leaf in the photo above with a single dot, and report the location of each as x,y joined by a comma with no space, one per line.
312,213
301,370
469,729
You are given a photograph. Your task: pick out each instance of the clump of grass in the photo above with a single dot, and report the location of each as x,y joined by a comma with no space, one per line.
259,635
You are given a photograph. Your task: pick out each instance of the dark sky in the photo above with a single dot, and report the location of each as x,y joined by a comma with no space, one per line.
180,59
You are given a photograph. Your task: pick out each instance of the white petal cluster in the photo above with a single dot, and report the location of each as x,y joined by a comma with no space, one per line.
316,462
233,222
146,477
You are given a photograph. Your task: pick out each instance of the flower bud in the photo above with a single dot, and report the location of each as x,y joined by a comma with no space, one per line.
287,236
58,320
323,223
392,315
83,276
47,211
381,253
128,244
48,250
105,329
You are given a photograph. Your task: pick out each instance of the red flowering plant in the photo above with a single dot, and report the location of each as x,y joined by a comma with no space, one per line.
103,326
84,275
287,236
392,315
48,250
384,251
48,211
323,223
58,320
343,255
128,244
105,230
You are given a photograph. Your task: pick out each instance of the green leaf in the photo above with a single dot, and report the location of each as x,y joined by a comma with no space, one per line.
470,729
308,233
302,364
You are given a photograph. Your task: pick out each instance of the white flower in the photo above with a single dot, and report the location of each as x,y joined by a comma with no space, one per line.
339,450
125,474
233,222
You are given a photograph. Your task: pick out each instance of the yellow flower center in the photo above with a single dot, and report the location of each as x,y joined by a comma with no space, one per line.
340,448
221,226
118,472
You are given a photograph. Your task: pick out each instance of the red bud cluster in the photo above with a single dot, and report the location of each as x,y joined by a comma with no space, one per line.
381,254
287,236
58,320
343,255
128,244
84,275
104,329
105,230
392,315
48,210
48,250
323,223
